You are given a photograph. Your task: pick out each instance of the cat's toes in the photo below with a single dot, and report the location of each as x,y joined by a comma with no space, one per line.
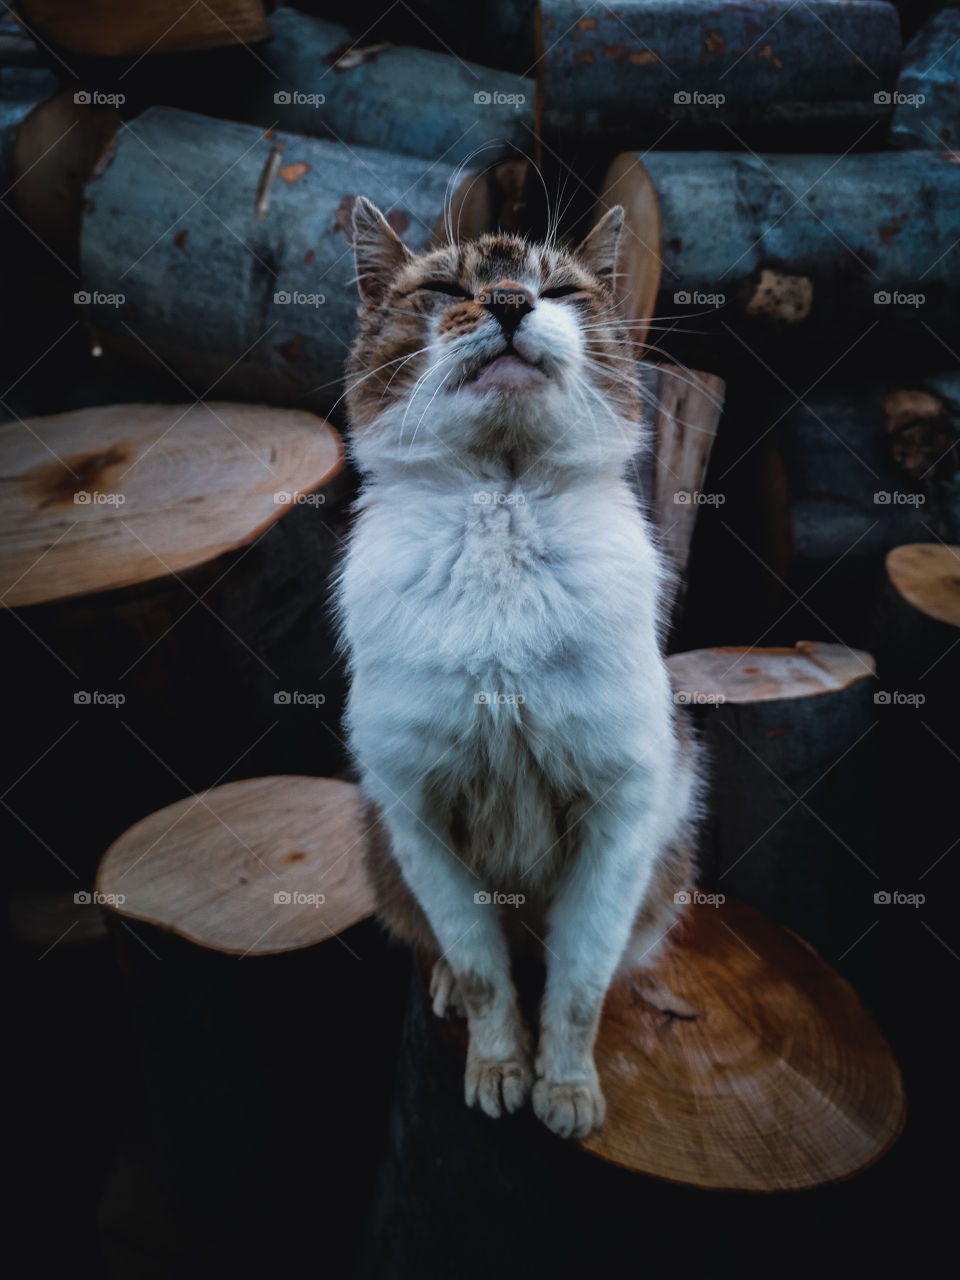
497,1087
444,992
571,1109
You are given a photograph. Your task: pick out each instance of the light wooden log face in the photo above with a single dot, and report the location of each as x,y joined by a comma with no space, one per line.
927,576
402,99
253,868
625,71
791,816
782,1081
108,497
231,250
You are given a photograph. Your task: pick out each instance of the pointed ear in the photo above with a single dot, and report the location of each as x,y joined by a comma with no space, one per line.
377,249
598,252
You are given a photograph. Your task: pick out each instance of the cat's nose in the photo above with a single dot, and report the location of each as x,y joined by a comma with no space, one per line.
508,302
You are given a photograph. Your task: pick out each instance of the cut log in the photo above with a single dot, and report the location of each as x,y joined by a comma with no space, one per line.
254,868
868,467
684,410
230,1052
640,264
54,152
167,626
916,637
322,83
781,1081
790,817
116,28
927,102
185,207
804,242
631,71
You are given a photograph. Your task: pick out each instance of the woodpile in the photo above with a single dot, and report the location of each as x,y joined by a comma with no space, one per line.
178,182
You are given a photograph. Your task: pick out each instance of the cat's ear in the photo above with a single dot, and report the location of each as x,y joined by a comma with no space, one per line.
377,249
598,252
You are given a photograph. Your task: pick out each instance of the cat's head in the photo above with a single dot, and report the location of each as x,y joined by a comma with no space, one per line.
489,347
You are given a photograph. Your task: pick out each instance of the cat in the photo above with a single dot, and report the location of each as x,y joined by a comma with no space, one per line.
510,712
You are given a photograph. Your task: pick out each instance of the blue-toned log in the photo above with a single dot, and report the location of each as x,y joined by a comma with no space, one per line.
225,252
822,244
414,101
927,110
633,69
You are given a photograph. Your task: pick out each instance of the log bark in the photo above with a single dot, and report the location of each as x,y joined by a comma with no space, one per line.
703,1101
790,823
868,467
930,71
320,82
168,627
632,71
802,244
248,1038
216,229
115,28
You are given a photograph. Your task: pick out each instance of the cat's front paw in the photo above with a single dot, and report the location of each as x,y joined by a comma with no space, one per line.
497,1087
570,1108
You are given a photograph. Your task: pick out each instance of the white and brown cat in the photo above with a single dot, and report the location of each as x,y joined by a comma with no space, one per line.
510,712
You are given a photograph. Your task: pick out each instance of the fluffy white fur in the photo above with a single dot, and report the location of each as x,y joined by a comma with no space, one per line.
499,550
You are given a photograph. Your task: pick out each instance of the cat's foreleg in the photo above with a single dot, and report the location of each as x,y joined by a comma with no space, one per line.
589,926
466,925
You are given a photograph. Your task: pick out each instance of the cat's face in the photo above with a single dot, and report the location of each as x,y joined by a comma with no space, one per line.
490,347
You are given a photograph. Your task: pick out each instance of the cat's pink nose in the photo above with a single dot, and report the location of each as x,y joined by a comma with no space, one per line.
508,302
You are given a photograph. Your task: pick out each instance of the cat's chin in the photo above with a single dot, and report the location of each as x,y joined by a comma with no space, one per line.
508,375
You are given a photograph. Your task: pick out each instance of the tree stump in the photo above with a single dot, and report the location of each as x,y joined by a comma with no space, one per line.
790,823
630,72
780,1081
916,637
414,101
266,1009
927,113
184,207
166,625
746,243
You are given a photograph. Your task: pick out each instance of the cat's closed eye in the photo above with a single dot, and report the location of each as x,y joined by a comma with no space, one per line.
561,291
449,287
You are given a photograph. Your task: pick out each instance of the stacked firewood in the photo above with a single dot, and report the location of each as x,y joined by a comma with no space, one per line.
178,184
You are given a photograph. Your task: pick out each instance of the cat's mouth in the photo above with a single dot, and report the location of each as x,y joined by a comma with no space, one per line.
507,371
